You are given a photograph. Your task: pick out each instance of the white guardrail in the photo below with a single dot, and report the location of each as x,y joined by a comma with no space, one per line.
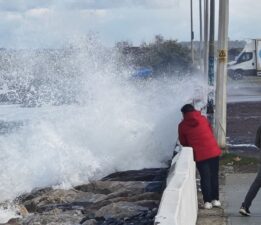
179,203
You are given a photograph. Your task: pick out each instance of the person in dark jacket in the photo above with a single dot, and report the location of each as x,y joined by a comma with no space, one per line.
254,188
195,131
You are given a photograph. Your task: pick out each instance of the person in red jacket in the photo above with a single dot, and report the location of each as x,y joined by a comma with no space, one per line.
195,131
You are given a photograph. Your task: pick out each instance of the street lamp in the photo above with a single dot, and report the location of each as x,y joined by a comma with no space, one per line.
211,62
191,30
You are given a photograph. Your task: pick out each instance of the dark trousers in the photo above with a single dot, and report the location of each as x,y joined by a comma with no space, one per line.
208,171
254,188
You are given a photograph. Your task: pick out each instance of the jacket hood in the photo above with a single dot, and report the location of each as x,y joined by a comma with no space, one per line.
192,118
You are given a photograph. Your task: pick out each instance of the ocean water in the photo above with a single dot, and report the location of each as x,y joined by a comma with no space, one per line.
78,116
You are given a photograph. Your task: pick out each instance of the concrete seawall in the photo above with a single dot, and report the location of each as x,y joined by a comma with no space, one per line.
179,205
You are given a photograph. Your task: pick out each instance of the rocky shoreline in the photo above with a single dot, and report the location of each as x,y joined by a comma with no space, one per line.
130,197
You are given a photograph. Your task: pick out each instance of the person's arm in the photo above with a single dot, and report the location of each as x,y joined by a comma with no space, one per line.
182,138
258,138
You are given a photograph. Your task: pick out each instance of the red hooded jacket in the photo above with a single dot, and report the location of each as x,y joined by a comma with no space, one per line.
196,132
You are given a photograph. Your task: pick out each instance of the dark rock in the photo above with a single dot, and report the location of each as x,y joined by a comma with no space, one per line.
89,210
112,221
156,186
145,196
120,210
69,206
90,222
150,204
124,193
107,187
55,218
14,221
113,201
61,199
154,174
33,194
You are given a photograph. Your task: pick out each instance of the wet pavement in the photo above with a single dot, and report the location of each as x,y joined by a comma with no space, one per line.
235,190
246,90
231,195
243,119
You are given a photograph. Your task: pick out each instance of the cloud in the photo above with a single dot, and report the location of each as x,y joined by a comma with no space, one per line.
244,19
59,21
24,5
94,12
37,12
52,22
11,17
111,4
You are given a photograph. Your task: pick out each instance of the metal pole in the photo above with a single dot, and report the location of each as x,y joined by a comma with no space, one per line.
221,85
200,36
192,32
206,23
211,61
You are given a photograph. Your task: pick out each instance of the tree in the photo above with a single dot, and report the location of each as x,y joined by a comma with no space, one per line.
164,56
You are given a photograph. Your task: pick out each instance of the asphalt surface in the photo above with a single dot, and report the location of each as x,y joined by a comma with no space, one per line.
235,190
245,90
243,119
243,114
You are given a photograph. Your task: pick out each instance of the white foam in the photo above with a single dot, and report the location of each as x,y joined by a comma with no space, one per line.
8,211
116,124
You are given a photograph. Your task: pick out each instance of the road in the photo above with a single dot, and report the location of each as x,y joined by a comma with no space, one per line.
245,90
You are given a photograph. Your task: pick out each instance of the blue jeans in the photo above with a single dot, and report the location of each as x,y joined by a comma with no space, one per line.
254,188
208,171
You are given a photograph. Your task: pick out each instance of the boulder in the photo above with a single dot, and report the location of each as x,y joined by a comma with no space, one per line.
120,210
152,174
61,198
111,201
90,222
52,219
107,187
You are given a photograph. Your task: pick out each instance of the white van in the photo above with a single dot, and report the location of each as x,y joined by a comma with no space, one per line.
248,62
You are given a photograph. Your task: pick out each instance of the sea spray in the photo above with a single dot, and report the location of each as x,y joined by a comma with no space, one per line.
82,117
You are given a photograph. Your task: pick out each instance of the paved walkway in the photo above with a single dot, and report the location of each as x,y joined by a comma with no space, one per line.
232,195
235,190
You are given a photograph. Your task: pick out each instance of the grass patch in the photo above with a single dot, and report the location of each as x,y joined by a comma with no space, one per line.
237,160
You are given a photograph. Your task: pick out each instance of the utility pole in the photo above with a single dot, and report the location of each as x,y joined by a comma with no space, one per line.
200,37
206,23
221,83
192,32
211,61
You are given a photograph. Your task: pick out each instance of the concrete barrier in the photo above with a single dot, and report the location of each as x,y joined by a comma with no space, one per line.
179,204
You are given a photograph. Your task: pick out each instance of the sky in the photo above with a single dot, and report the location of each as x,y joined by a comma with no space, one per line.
53,23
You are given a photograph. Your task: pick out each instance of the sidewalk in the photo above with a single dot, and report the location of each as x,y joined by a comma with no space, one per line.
235,190
232,194
215,216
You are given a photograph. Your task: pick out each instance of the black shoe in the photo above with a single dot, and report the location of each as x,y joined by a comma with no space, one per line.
244,211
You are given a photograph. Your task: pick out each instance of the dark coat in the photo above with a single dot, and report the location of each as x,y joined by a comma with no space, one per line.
258,141
196,132
258,138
